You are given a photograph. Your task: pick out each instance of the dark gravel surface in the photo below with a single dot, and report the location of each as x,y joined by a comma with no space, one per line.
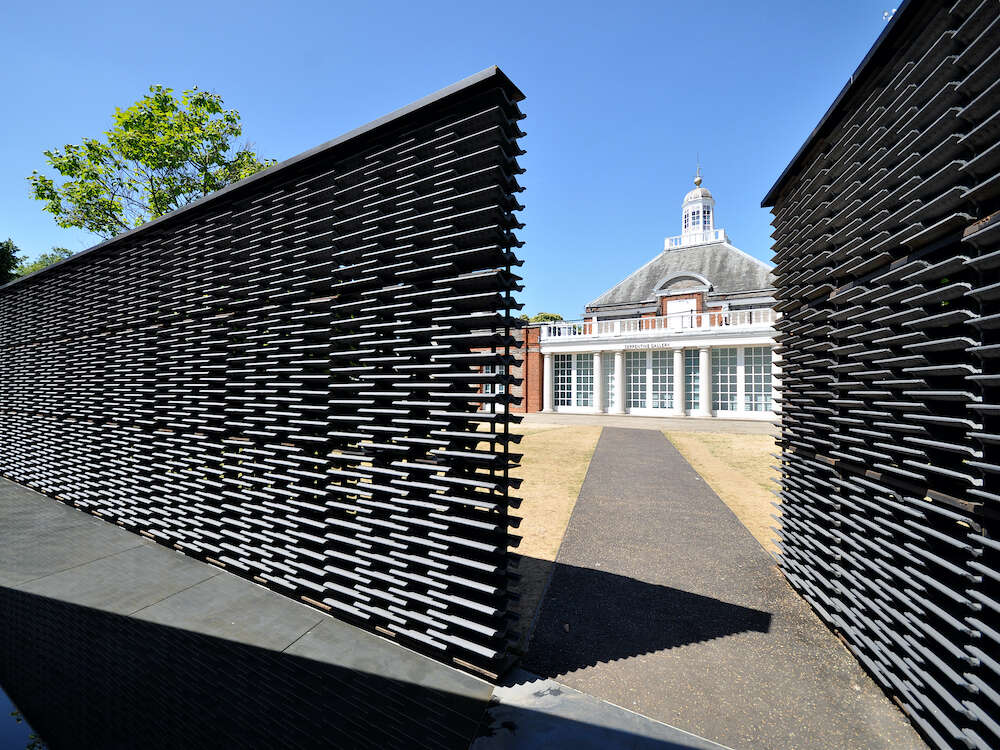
663,603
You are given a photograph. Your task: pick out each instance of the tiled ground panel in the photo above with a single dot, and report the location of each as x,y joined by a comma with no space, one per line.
162,688
889,286
283,380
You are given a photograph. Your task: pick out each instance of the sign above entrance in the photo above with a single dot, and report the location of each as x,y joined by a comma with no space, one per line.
650,345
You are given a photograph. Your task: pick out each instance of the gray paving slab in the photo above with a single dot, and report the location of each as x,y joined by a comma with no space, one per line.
531,712
335,642
125,582
458,698
42,536
299,654
681,424
228,607
663,603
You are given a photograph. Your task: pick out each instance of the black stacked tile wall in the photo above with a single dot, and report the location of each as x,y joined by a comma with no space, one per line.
887,246
284,378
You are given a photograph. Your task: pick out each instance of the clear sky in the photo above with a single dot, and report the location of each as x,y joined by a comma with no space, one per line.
620,98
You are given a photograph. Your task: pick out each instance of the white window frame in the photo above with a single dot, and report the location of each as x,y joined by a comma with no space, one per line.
562,379
491,388
583,376
573,382
636,380
661,380
692,378
750,398
726,371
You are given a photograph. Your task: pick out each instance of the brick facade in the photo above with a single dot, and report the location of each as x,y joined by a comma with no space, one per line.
530,372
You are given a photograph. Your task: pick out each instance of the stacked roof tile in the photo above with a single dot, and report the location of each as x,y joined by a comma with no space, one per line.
283,378
886,263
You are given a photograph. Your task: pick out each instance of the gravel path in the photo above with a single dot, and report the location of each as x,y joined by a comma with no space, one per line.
663,603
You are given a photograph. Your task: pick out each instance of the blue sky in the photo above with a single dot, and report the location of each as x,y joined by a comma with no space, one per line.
620,98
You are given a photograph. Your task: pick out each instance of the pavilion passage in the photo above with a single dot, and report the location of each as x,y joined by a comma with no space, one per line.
662,602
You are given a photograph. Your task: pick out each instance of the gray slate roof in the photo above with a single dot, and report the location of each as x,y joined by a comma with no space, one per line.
727,268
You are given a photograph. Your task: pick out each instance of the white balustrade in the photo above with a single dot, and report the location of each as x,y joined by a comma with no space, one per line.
759,317
695,238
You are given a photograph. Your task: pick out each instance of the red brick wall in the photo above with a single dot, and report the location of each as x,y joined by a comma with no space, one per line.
531,370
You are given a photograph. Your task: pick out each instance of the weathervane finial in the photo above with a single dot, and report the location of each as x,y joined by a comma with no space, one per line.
697,174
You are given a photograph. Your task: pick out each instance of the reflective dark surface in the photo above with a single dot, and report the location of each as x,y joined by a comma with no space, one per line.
92,679
14,730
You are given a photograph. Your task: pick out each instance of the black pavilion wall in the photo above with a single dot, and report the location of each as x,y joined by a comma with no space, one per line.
888,263
283,379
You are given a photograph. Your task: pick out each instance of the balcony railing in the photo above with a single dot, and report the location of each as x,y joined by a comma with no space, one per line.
761,317
695,238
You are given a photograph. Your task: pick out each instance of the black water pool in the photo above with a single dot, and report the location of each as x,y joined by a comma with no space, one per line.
14,731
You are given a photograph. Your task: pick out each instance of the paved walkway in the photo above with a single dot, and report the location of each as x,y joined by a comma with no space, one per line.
681,424
532,713
663,603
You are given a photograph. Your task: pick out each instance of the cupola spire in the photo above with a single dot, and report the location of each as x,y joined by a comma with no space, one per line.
697,218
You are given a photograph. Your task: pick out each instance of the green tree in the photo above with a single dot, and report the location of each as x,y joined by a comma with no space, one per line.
544,317
45,259
8,260
161,153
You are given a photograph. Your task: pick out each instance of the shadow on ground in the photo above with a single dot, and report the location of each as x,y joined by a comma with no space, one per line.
88,678
591,616
85,678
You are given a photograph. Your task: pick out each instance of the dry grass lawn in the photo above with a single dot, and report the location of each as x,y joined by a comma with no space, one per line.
738,468
554,465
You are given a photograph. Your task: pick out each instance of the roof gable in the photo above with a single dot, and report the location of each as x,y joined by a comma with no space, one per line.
727,269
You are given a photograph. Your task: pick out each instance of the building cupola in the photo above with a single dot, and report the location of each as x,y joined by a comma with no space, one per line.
698,209
697,220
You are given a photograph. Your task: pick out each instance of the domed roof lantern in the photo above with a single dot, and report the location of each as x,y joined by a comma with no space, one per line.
697,219
698,209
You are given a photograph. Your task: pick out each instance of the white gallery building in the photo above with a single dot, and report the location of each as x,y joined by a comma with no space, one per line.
690,333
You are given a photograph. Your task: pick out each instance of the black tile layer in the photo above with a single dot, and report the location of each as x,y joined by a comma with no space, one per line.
283,379
887,248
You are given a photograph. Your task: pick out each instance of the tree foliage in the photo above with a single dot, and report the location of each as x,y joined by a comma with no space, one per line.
8,260
544,317
44,260
161,153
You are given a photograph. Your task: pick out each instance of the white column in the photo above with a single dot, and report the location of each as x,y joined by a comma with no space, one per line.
679,382
547,383
619,407
598,383
704,383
